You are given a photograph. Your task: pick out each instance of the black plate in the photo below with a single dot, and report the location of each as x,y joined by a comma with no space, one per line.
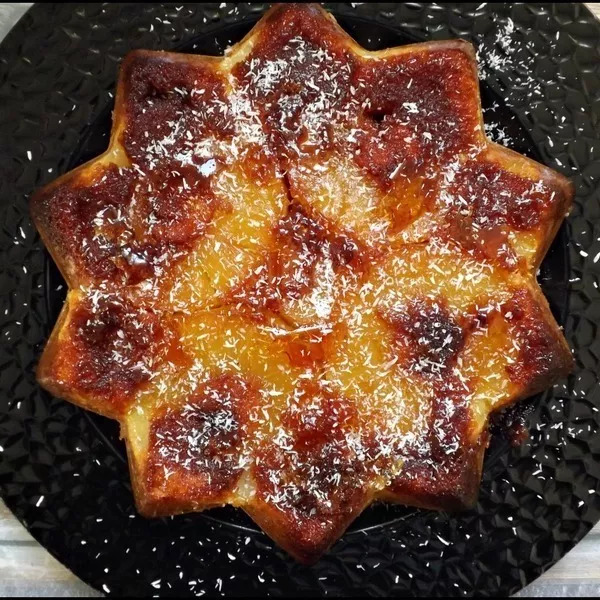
63,471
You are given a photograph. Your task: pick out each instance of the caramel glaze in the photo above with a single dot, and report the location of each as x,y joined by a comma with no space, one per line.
500,197
124,227
297,233
300,476
397,131
375,97
70,212
427,337
510,424
195,448
282,100
299,242
406,122
158,93
430,340
537,342
484,203
114,347
428,478
309,349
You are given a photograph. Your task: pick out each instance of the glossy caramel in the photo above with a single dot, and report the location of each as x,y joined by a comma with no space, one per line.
302,278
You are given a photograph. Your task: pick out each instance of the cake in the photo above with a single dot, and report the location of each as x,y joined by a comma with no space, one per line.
302,279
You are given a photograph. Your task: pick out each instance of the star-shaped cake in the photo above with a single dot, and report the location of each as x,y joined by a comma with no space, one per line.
301,278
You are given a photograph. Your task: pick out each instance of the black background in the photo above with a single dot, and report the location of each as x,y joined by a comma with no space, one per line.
58,69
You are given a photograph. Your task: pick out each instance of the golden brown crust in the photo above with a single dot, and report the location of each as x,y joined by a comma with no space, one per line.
544,356
562,187
306,541
450,486
102,350
302,278
41,211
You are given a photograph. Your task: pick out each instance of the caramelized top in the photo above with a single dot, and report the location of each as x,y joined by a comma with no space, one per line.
201,440
302,277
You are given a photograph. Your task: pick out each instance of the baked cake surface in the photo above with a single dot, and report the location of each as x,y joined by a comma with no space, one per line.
301,278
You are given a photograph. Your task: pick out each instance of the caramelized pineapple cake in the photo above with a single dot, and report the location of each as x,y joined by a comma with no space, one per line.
301,278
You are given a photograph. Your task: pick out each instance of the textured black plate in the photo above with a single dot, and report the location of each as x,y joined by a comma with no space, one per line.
62,470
